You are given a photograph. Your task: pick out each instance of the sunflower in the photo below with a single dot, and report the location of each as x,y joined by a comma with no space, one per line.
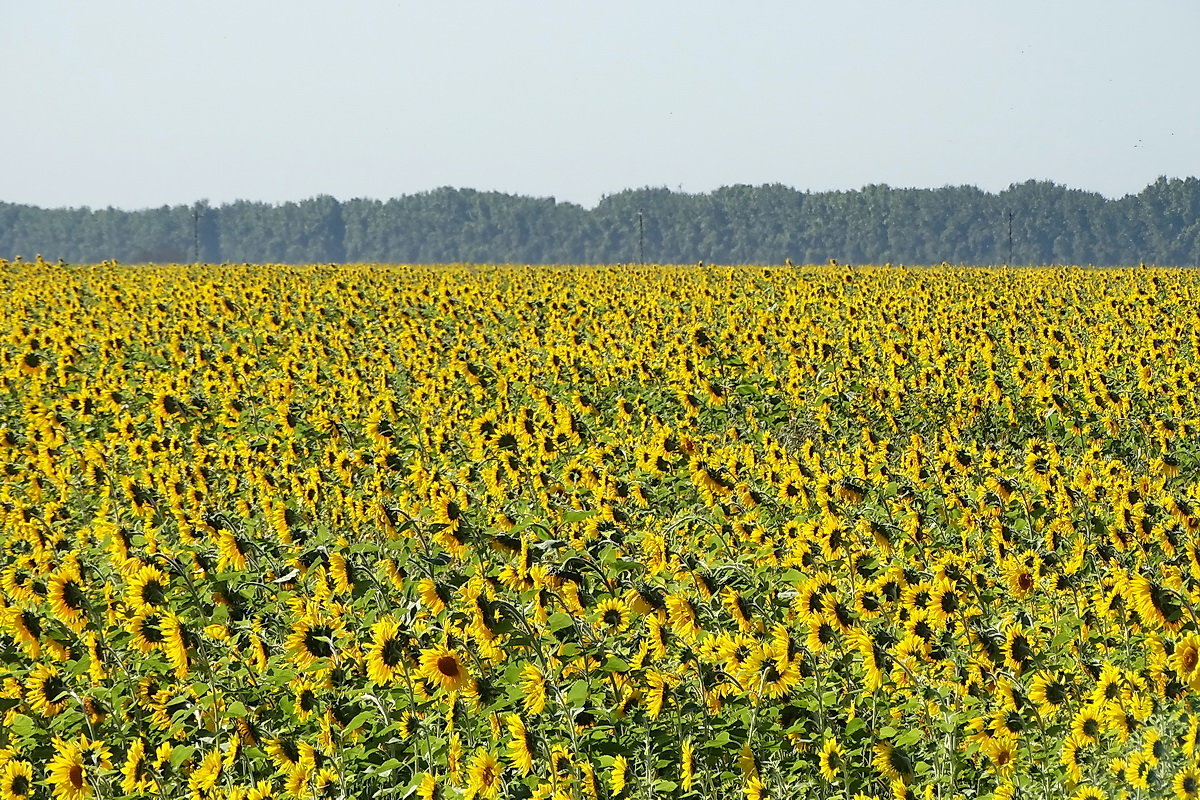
1186,784
1186,660
681,612
1049,692
444,668
311,639
46,690
1018,649
67,599
876,662
435,596
325,782
520,744
687,764
72,768
821,634
755,789
26,628
16,780
430,788
533,689
176,640
1087,725
304,695
770,672
136,777
832,760
1156,603
611,616
204,778
233,551
262,790
618,775
893,763
147,590
386,652
147,631
285,752
1002,751
483,776
658,692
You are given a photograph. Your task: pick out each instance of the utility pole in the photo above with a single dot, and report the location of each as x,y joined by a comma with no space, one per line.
641,240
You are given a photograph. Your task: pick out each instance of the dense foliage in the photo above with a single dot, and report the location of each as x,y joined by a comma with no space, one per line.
736,225
370,531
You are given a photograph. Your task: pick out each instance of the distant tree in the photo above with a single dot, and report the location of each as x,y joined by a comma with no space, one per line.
736,224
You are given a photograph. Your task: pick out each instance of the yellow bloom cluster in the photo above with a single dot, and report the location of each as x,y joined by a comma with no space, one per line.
584,532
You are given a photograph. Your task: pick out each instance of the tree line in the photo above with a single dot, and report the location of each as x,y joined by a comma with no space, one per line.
1035,222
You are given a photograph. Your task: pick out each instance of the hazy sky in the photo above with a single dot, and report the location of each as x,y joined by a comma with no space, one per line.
136,104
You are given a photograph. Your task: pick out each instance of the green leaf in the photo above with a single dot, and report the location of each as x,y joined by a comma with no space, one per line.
614,664
359,720
854,726
236,709
22,726
887,732
386,768
558,620
577,694
906,739
181,753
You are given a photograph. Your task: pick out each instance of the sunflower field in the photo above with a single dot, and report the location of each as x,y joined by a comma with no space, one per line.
580,533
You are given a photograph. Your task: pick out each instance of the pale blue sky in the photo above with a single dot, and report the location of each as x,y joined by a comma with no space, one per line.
143,103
